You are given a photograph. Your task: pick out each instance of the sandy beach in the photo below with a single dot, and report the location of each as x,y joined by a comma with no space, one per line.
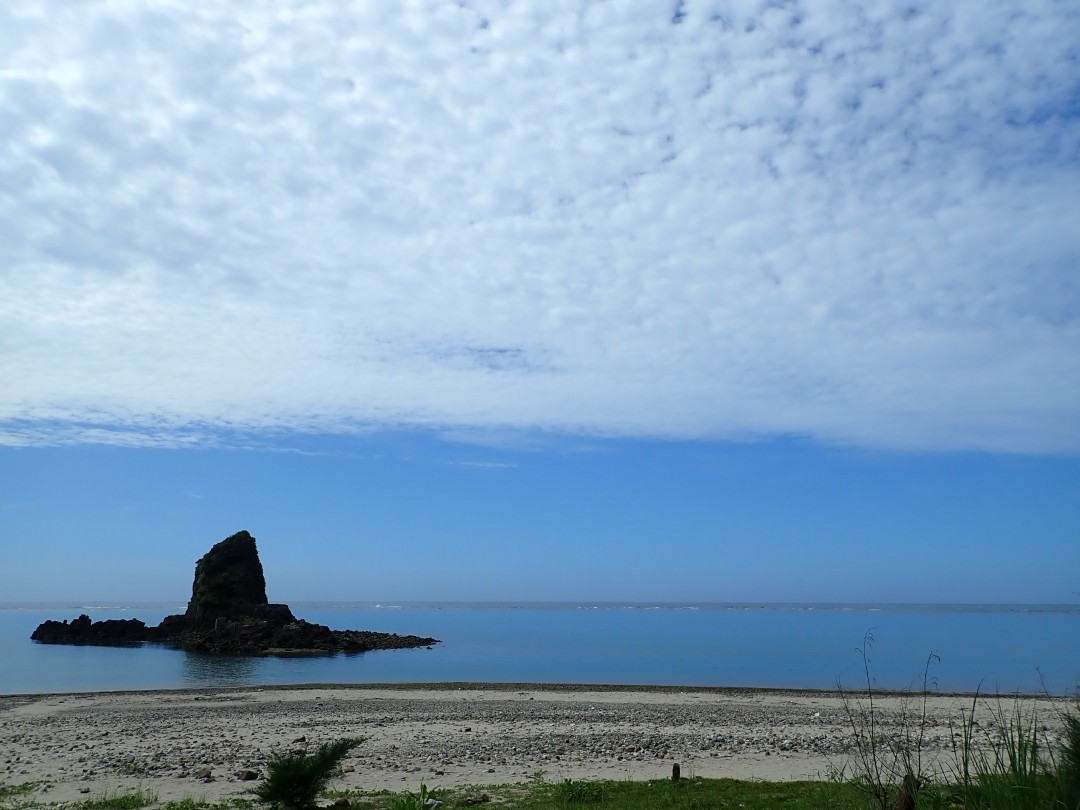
199,744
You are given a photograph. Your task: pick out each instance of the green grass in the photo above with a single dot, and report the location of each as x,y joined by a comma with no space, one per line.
687,794
21,789
119,801
1015,767
1068,773
698,794
201,804
18,797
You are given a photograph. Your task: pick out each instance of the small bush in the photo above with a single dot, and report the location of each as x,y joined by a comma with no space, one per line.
294,781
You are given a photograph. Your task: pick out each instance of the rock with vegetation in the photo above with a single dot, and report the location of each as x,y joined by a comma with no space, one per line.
229,581
228,614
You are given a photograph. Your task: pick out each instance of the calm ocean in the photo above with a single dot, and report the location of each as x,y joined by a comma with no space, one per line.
992,648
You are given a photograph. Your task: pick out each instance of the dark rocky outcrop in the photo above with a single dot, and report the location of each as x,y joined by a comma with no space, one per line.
114,632
229,582
228,614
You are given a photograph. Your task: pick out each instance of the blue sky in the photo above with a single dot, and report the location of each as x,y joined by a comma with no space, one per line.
567,300
409,516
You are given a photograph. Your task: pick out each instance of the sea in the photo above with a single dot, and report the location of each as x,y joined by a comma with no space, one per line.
1003,649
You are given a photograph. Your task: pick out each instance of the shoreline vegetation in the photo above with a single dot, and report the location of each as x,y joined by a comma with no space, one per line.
544,745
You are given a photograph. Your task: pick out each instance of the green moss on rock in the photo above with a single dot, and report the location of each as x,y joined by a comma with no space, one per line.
229,580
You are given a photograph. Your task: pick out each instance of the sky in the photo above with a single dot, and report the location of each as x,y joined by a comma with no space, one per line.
710,301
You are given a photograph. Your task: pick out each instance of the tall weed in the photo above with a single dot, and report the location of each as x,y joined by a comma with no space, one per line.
1010,765
1068,771
887,765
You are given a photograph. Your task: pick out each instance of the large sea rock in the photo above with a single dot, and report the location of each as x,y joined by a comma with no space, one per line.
228,614
229,582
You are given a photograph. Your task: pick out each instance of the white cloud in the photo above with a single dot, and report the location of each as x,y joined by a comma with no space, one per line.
848,222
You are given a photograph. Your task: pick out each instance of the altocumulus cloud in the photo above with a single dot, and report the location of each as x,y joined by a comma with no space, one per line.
854,222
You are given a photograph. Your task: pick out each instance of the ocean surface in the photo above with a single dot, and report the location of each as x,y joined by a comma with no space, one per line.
991,648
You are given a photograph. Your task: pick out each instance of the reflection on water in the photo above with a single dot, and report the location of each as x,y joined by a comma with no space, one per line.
219,670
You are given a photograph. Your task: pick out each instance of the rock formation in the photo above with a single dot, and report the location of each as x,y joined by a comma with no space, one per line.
228,614
229,581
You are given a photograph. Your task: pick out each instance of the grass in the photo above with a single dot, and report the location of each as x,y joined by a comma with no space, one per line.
687,794
200,804
662,794
13,797
17,797
21,789
695,794
120,801
1015,767
423,799
1069,762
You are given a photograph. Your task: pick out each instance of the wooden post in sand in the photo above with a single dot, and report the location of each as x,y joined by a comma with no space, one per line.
675,772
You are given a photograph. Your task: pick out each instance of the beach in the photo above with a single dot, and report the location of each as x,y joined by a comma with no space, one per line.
213,744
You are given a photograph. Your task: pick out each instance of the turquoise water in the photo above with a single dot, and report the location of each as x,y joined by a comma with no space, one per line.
1010,648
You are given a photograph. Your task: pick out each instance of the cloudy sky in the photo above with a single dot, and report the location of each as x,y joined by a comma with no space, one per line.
495,249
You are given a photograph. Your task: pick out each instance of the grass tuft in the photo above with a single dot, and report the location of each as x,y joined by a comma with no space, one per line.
120,801
20,789
424,799
1069,762
1012,768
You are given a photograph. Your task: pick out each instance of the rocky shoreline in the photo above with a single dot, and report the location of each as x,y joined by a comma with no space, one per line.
228,614
214,743
238,637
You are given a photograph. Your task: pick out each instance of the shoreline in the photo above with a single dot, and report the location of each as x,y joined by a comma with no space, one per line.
509,686
447,734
